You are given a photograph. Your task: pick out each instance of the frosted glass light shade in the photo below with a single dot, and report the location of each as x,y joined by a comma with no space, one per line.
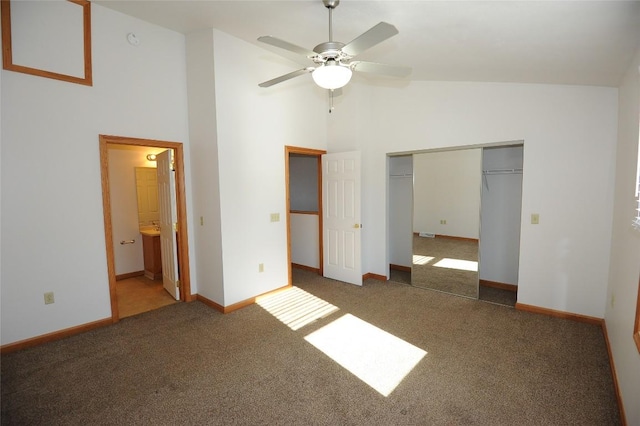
331,75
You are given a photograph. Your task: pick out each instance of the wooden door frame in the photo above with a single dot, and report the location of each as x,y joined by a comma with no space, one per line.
311,153
183,241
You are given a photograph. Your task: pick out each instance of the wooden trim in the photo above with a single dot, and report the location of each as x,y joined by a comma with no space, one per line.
400,268
7,54
108,228
239,305
311,152
616,385
7,47
636,326
183,238
320,215
559,314
129,275
288,150
305,267
56,335
501,286
288,214
374,277
304,212
450,237
183,235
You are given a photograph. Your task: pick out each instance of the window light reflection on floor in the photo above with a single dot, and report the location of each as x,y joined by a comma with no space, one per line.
421,260
464,265
295,307
376,357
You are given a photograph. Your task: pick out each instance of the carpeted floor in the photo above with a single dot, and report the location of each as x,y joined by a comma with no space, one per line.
497,295
188,364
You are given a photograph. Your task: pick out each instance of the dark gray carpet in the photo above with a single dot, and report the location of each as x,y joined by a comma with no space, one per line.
400,276
497,295
188,364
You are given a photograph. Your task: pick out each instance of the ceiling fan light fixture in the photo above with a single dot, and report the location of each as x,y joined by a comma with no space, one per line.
331,75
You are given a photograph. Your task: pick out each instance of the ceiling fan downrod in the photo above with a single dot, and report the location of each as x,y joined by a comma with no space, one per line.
331,4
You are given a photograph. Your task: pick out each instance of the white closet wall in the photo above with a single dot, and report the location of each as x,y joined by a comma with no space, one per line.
500,214
400,210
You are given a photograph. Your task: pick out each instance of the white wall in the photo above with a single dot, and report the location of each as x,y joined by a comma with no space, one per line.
446,187
624,270
204,165
124,209
500,215
305,240
569,135
53,47
253,127
52,218
400,210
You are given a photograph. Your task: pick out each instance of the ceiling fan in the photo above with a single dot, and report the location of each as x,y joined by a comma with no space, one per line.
333,59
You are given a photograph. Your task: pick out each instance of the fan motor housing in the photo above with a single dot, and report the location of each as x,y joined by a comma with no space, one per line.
329,49
331,4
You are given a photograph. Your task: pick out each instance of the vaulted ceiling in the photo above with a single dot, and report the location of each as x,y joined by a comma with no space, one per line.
558,42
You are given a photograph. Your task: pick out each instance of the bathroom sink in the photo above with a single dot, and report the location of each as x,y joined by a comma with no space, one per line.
150,231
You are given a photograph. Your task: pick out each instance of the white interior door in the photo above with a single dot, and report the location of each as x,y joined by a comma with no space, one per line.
341,217
147,192
168,214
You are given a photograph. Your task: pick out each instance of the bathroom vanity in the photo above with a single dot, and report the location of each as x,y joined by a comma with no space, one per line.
152,253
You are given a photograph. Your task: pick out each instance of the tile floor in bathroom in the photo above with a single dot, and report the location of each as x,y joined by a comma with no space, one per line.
140,294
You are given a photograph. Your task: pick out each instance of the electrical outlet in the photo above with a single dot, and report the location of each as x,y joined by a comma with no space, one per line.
48,298
535,218
261,267
443,221
275,217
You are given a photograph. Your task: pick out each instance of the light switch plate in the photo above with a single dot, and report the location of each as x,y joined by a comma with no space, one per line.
535,218
275,217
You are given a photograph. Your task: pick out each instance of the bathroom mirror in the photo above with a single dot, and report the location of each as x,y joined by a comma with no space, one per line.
446,221
147,194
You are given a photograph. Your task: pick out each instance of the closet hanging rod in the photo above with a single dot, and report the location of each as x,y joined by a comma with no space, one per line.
406,175
502,171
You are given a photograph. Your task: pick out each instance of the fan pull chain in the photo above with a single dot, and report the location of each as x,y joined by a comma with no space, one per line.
330,101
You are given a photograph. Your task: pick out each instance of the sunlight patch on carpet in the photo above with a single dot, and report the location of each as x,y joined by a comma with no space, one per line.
421,260
295,307
376,357
463,265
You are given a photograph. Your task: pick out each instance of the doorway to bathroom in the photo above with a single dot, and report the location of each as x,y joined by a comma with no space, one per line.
146,243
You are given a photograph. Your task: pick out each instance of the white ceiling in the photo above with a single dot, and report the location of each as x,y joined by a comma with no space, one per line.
558,42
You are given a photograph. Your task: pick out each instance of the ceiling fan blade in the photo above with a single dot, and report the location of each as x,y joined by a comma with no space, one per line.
370,38
273,41
286,77
383,69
